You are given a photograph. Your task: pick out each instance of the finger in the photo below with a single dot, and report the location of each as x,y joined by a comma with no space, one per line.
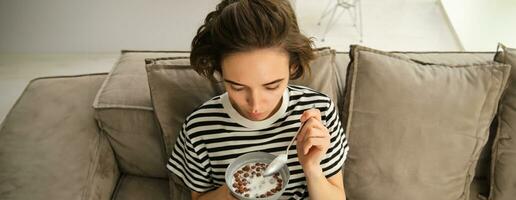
313,128
320,143
310,135
307,125
316,132
311,113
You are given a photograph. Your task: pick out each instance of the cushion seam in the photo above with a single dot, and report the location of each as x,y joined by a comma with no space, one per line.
96,101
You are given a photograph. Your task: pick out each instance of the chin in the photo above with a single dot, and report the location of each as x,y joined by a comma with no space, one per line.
255,119
259,117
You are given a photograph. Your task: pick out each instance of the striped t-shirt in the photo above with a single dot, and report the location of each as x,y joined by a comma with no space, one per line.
215,134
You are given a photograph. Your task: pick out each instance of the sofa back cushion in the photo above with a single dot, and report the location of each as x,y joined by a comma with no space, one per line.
414,128
480,186
504,147
123,111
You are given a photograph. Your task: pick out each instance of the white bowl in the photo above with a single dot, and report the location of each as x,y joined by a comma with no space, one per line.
255,157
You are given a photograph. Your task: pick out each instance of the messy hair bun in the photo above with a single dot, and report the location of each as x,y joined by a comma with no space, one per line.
245,25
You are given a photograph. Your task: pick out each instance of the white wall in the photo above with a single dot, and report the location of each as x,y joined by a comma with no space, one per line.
481,24
54,26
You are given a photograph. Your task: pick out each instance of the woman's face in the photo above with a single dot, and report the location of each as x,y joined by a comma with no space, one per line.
255,81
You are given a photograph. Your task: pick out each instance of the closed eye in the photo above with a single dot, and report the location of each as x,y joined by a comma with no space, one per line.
237,88
272,88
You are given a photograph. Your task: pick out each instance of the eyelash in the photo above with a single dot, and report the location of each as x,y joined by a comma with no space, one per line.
272,88
268,88
237,89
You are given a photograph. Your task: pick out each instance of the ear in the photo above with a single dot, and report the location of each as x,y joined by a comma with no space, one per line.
292,70
218,76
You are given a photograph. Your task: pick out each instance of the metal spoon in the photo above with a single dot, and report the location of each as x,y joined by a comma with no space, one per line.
281,159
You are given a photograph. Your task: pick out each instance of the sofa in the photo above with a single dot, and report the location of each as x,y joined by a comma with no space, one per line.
99,136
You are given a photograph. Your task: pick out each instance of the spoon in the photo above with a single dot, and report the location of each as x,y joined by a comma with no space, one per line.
281,159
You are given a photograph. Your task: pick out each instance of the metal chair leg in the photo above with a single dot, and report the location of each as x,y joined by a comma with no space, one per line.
325,13
356,16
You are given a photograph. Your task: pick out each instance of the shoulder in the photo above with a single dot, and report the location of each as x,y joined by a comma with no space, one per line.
208,110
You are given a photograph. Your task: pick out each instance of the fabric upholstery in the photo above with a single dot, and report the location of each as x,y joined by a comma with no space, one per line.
176,90
124,112
136,188
480,185
323,74
416,130
50,147
504,147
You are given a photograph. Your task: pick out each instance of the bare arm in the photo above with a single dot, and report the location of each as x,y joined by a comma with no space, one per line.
220,193
321,187
313,142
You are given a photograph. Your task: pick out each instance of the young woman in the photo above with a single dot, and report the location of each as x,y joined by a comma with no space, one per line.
255,46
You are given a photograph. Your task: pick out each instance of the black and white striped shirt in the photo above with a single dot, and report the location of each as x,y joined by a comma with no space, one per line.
215,134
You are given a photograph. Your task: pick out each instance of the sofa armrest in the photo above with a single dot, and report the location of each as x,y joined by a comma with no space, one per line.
50,144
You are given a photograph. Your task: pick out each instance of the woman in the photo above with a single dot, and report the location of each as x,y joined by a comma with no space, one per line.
255,46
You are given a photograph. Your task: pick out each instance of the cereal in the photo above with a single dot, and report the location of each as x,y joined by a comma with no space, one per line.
249,182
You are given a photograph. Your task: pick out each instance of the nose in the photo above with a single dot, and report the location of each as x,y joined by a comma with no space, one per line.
253,101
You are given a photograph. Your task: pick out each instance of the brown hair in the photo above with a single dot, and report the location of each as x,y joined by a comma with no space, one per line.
244,25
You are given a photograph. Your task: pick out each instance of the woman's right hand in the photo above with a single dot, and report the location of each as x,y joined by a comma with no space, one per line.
220,193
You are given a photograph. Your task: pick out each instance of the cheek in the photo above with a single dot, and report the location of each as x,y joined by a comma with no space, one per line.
275,97
272,98
237,97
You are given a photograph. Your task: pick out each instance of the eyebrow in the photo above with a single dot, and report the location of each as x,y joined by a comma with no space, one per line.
266,84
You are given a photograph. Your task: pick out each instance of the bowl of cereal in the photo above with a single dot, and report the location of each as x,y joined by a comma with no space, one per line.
245,179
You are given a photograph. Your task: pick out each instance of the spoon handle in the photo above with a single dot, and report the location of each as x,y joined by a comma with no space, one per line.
295,136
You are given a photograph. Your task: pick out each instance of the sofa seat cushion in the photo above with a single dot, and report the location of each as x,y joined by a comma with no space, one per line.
415,129
137,187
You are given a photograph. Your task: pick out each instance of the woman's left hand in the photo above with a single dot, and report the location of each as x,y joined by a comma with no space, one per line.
312,141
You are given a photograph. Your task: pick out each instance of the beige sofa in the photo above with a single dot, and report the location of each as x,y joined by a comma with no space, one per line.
96,136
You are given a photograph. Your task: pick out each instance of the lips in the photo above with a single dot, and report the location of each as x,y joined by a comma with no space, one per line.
255,115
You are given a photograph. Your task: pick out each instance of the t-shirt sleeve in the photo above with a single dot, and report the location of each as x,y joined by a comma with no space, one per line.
189,165
337,152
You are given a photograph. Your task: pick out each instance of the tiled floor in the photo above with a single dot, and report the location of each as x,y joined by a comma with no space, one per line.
415,25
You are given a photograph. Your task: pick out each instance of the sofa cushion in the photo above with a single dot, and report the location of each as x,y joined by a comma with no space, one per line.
504,147
50,147
136,187
124,112
123,87
323,74
174,99
480,185
415,129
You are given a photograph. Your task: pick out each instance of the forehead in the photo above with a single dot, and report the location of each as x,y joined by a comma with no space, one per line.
259,65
